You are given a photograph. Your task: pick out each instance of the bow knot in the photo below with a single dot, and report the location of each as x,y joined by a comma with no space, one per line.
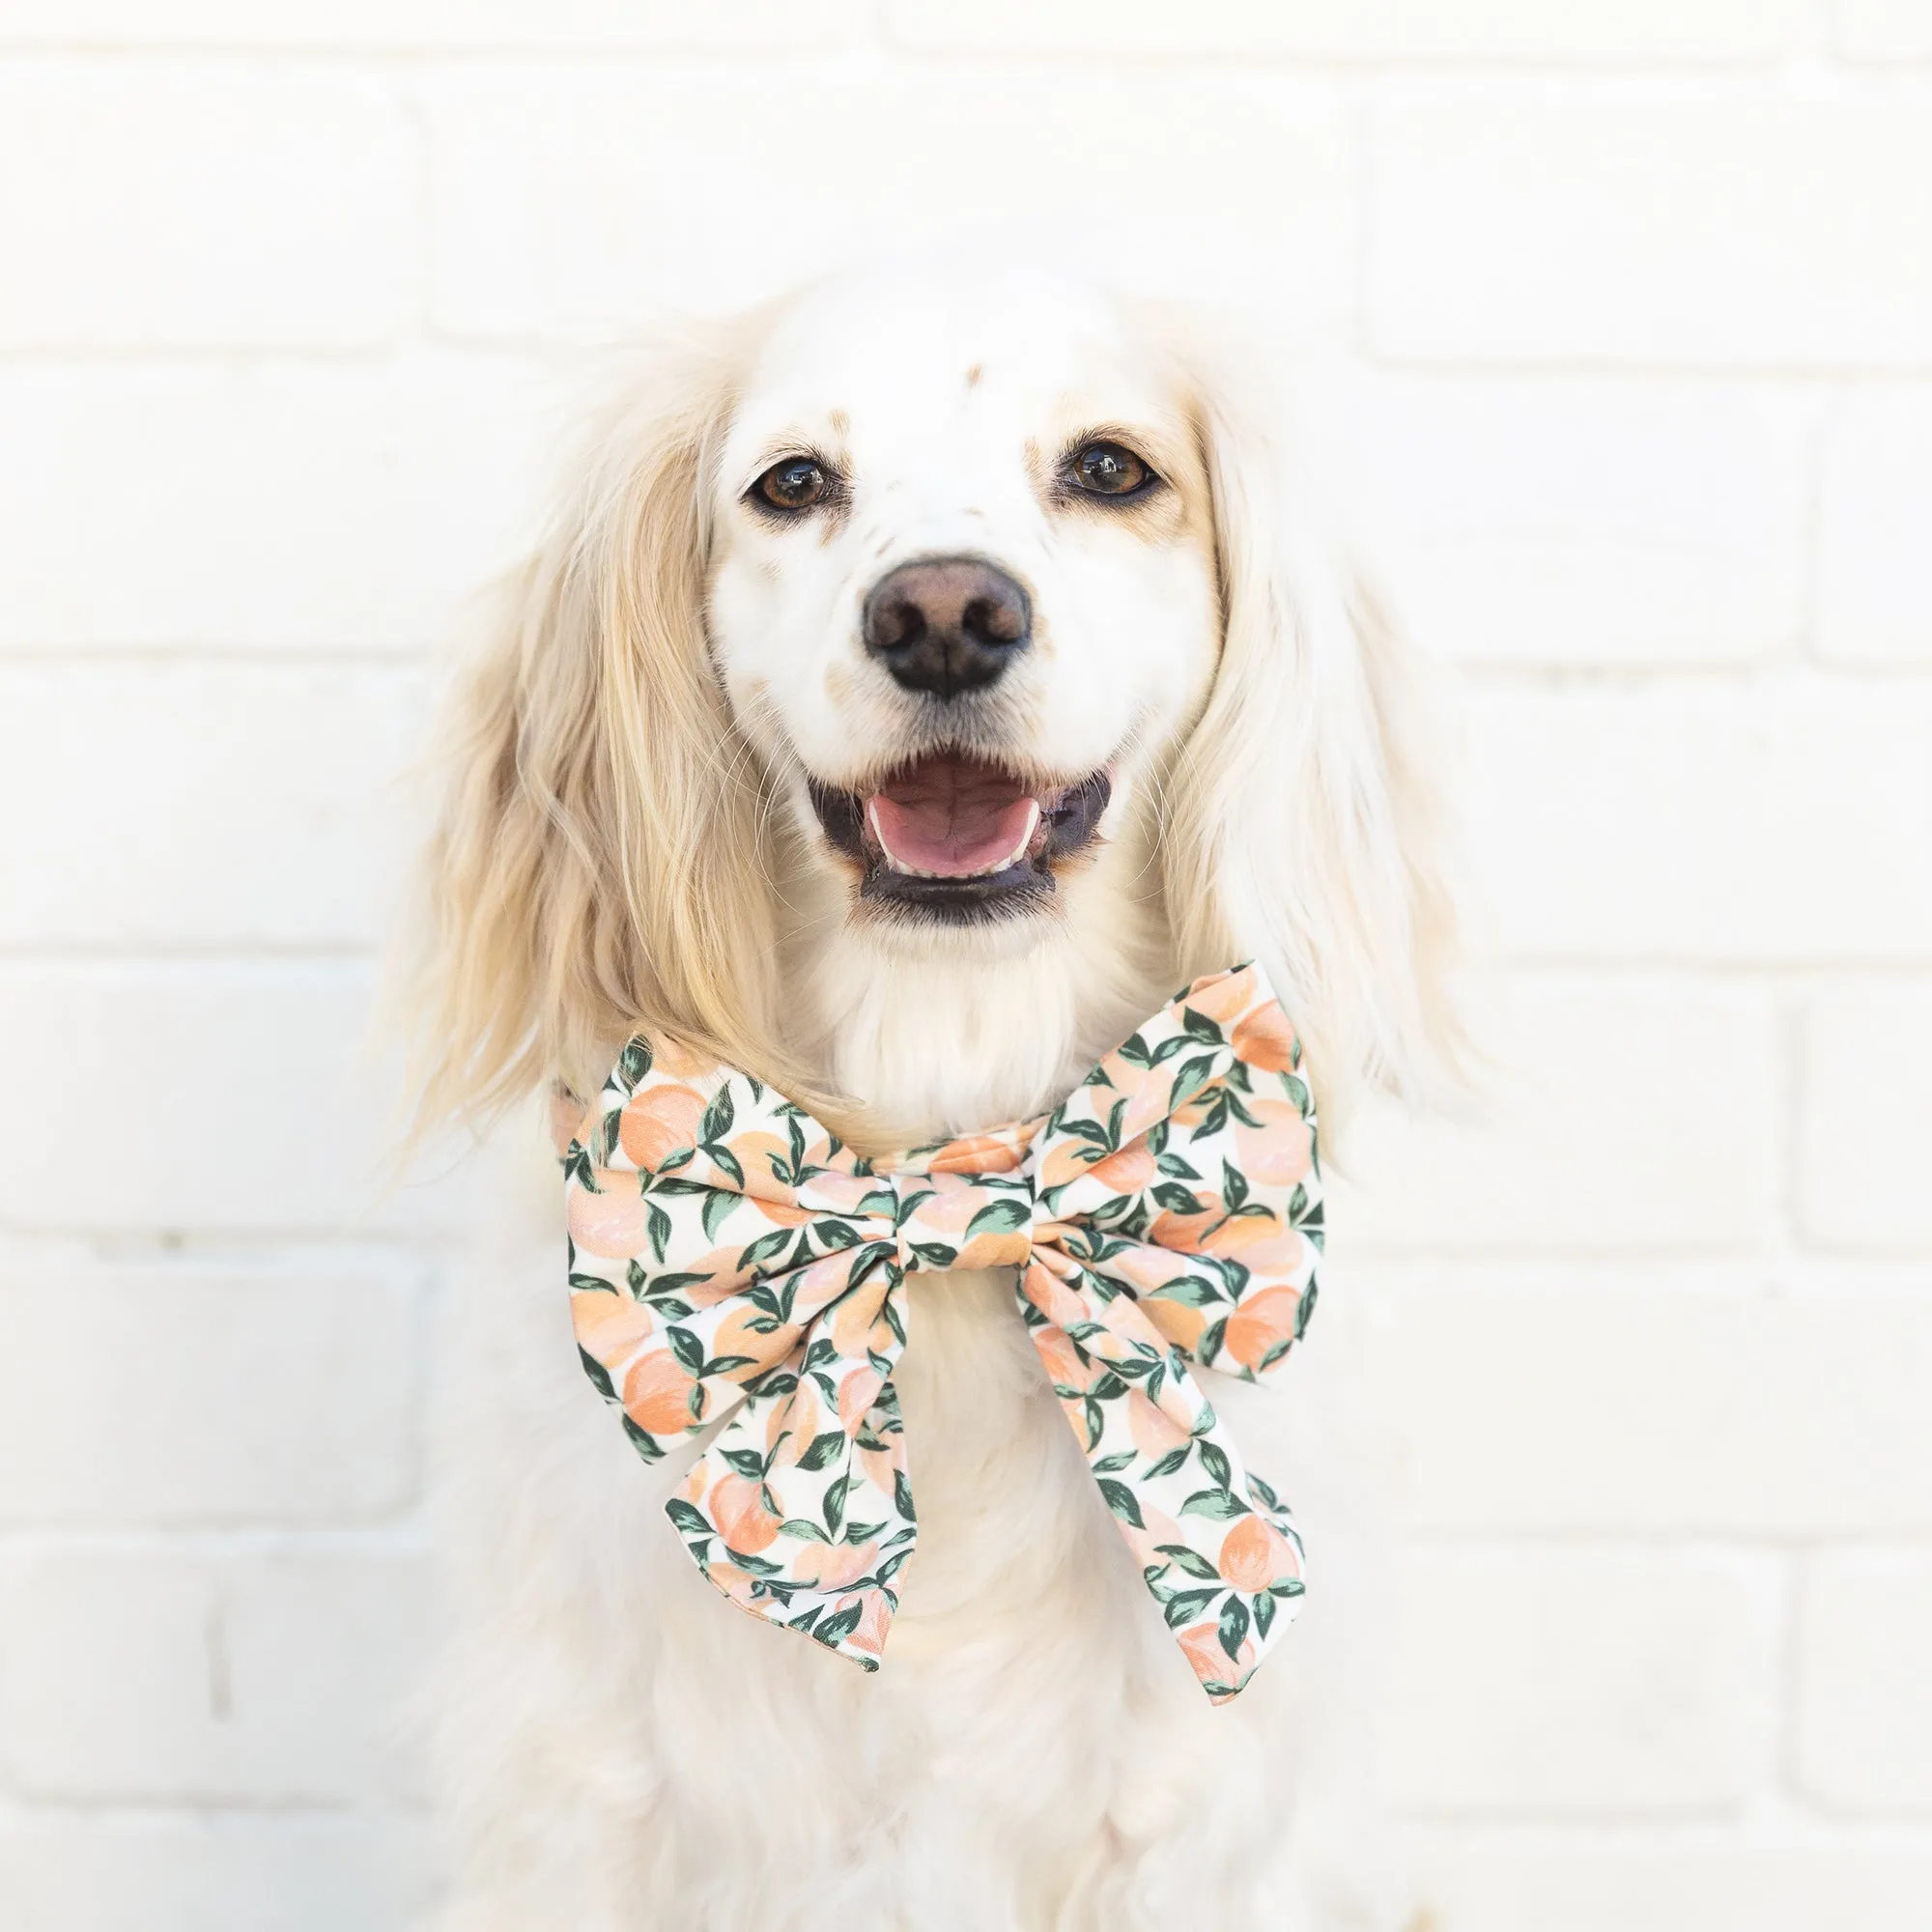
731,1261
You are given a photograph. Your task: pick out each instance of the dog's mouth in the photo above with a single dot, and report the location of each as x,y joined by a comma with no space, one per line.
960,837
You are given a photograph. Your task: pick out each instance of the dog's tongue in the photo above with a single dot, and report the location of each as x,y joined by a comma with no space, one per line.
951,819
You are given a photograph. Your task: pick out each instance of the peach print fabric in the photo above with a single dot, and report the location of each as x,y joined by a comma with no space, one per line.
731,1261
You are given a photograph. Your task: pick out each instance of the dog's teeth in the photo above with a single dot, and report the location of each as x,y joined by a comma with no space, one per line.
1018,852
891,858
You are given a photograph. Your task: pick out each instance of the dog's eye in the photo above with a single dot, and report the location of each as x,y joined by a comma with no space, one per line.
795,484
1106,469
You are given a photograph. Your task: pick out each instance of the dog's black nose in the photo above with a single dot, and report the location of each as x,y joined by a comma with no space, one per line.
947,624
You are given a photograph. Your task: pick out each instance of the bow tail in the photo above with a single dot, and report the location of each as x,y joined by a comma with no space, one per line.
800,1511
1216,1545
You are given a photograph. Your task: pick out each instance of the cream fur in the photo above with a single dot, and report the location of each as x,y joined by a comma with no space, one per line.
626,841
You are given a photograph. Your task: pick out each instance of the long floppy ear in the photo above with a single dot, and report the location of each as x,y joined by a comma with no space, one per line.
1301,825
598,863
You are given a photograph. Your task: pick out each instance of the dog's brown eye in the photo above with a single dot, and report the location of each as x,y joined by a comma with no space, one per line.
1106,469
795,484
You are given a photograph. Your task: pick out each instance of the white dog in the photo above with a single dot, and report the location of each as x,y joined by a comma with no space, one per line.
922,679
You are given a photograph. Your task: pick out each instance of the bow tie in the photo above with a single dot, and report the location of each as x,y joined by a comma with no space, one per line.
730,1260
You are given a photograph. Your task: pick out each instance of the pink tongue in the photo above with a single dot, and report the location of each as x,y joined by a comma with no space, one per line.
951,830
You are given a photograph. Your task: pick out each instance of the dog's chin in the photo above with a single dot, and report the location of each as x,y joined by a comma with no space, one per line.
955,839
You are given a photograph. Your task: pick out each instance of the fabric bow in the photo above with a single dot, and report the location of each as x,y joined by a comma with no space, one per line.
730,1260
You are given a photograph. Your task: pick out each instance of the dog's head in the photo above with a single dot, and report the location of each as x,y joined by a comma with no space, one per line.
962,590
898,607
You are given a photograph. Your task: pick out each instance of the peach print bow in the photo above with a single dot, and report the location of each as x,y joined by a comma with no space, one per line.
730,1260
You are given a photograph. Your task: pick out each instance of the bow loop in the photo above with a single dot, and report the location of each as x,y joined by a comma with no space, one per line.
731,1261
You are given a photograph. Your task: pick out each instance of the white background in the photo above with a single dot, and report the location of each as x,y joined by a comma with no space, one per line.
1629,310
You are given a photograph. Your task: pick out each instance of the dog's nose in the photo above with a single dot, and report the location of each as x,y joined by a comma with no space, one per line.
947,624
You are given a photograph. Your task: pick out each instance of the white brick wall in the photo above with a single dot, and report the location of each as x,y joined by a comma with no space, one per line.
1623,315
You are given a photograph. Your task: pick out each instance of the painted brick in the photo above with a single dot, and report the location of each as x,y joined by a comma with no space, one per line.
570,202
1392,30
189,1096
1704,232
142,1674
1783,820
203,204
1884,30
203,805
81,1872
1613,1400
1596,1882
1874,592
1861,1122
1565,521
263,504
175,1395
1864,1696
756,26
1629,1114
1563,1682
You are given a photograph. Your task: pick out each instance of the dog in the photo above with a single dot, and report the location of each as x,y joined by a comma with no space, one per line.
920,677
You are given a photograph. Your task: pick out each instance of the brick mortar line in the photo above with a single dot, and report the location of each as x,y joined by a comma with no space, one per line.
1821,1834
1669,1837
26,1807
417,659
26,1799
1726,1546
1609,677
160,1243
405,1537
878,50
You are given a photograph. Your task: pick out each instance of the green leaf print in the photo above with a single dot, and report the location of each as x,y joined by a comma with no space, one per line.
718,1118
688,1516
835,1502
1190,1560
823,1450
1233,1625
1216,1505
600,1376
717,1207
1121,1500
1000,1217
1184,1606
842,1625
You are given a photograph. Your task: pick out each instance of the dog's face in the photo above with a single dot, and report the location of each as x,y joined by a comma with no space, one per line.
963,593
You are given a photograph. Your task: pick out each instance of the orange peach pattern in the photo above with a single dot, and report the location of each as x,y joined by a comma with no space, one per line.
731,1263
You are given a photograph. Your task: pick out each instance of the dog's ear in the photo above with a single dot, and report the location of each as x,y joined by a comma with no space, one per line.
597,865
1301,827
